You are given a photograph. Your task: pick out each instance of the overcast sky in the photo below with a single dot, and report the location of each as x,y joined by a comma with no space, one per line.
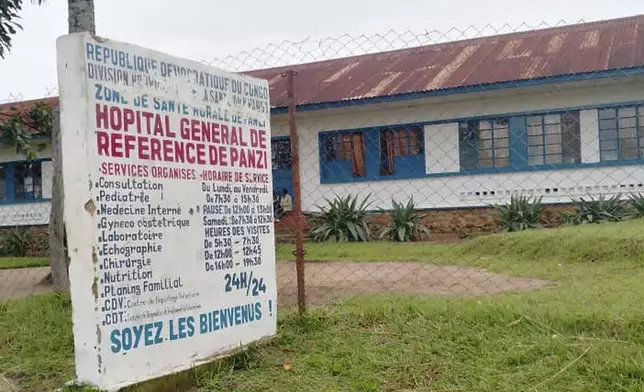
207,29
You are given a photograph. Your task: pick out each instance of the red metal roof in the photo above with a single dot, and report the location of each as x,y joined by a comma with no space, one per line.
566,50
573,49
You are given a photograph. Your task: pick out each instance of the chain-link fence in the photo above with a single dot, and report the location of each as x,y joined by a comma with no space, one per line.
26,173
414,152
438,138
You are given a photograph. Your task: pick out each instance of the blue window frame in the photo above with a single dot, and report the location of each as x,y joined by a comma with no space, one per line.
3,184
343,156
21,181
372,154
484,144
28,180
553,139
281,153
338,146
509,142
400,149
620,133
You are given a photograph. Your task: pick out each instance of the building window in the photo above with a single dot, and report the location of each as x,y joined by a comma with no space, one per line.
337,147
620,135
281,154
346,147
3,184
554,139
398,142
484,144
20,181
28,180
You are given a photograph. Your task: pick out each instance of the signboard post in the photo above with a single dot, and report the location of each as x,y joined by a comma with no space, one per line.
168,210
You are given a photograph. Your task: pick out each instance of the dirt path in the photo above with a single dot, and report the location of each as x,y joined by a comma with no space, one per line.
326,281
22,282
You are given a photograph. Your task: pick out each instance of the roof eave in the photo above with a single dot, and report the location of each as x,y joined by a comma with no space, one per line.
564,78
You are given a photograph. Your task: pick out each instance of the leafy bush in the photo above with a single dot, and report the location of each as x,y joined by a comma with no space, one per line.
405,223
522,213
637,205
42,245
16,242
342,220
599,210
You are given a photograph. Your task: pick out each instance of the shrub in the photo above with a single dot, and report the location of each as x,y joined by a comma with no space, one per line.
342,220
522,213
16,242
405,223
599,210
637,205
39,245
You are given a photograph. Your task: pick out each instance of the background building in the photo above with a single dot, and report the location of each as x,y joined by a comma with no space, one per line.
556,113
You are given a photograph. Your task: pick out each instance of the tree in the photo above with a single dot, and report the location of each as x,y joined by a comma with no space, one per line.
9,10
81,18
17,129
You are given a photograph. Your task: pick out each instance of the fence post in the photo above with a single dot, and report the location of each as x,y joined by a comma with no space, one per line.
297,192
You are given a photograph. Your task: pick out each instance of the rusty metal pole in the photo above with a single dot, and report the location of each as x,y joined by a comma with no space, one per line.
297,192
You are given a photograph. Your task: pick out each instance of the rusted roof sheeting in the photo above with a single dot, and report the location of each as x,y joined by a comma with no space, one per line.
574,49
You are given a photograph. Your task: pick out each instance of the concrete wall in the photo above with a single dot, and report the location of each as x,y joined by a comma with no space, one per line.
441,141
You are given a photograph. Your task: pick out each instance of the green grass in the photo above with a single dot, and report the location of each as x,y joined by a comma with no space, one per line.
23,262
584,334
36,341
569,252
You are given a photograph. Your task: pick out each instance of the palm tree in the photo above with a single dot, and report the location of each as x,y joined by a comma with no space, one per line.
9,25
81,18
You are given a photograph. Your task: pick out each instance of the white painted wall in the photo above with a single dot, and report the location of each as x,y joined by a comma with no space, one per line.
442,148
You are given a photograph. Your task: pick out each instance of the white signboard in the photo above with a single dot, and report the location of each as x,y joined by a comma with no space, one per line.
168,209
